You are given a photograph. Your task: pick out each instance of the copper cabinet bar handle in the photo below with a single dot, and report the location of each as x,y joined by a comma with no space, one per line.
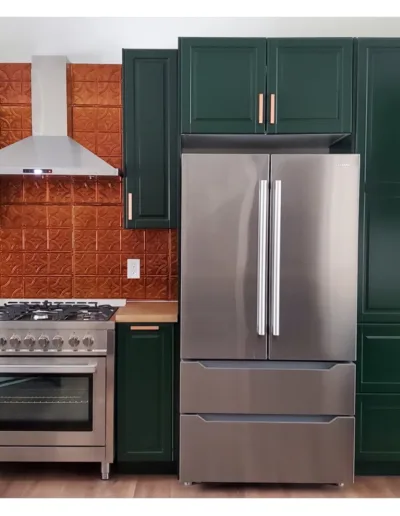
272,109
261,108
142,328
129,206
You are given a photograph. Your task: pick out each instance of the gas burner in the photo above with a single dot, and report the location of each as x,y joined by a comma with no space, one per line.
91,314
86,315
46,315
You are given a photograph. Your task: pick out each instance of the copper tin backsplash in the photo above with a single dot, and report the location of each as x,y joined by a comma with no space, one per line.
62,237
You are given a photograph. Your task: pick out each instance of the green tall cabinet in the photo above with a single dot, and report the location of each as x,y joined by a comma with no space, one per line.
145,404
150,139
378,141
255,85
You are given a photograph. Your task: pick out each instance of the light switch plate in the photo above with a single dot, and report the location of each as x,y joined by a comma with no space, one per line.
133,268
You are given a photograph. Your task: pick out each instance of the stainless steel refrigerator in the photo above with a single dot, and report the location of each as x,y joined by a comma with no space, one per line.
269,248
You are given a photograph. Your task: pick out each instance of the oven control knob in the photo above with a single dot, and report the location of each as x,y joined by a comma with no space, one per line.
73,342
44,342
29,341
58,342
15,341
88,341
3,342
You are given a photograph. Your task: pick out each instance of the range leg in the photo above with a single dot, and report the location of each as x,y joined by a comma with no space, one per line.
105,471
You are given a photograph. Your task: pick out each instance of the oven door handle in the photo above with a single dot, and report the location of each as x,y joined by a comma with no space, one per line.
47,368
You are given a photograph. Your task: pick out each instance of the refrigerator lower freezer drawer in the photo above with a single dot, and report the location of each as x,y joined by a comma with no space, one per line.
245,387
267,449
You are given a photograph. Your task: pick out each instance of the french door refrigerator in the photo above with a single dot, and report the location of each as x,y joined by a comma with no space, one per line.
269,247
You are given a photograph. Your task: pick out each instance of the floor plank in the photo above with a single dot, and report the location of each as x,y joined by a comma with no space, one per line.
80,481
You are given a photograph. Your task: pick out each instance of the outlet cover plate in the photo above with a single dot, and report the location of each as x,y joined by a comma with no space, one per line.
133,268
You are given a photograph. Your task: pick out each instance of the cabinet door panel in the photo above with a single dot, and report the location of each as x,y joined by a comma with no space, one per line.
377,427
379,271
221,80
150,138
378,108
311,79
144,394
378,358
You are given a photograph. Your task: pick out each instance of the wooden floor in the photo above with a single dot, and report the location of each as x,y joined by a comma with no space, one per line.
51,481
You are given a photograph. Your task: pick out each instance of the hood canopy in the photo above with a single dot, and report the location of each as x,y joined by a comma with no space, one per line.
50,150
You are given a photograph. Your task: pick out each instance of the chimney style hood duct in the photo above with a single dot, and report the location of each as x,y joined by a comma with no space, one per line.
50,150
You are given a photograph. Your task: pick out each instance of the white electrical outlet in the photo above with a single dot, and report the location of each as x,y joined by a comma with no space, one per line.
133,268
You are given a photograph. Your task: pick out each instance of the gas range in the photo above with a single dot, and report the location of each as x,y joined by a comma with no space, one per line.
57,381
55,327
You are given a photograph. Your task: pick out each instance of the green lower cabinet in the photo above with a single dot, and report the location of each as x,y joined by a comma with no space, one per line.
378,400
378,428
144,393
309,85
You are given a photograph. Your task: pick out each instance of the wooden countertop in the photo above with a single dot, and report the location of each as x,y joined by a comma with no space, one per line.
148,312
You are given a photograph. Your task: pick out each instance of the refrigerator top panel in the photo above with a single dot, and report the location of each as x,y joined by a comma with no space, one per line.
223,281
313,257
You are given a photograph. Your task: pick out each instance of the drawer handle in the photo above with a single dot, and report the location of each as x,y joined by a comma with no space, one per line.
228,418
144,328
252,366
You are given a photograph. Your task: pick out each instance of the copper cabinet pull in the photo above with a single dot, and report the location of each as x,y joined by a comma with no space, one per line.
261,108
272,109
142,328
129,206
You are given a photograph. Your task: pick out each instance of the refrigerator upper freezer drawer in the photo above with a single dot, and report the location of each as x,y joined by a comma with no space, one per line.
266,449
229,387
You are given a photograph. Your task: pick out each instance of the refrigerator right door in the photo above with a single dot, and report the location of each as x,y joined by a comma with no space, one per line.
313,257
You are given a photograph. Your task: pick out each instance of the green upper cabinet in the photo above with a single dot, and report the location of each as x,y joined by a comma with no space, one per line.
378,108
222,85
144,393
234,85
309,85
150,140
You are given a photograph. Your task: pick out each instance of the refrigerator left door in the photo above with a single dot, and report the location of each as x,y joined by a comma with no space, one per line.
224,256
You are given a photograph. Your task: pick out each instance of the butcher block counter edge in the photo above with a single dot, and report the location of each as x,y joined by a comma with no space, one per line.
148,312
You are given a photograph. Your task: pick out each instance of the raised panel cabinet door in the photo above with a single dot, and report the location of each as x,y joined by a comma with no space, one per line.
378,358
378,108
144,393
309,85
377,427
150,95
222,85
379,254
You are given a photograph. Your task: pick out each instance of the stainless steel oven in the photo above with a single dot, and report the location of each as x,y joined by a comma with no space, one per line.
57,399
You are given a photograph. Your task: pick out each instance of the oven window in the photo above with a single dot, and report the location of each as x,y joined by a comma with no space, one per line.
46,402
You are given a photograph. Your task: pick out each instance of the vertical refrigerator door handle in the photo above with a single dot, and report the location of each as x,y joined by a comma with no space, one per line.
262,256
276,258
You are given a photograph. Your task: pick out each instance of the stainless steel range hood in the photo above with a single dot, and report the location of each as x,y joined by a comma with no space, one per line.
50,150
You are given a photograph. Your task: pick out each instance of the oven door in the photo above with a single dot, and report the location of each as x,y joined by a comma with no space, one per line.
50,401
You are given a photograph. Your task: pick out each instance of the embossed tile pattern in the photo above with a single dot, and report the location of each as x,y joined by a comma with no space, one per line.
62,237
